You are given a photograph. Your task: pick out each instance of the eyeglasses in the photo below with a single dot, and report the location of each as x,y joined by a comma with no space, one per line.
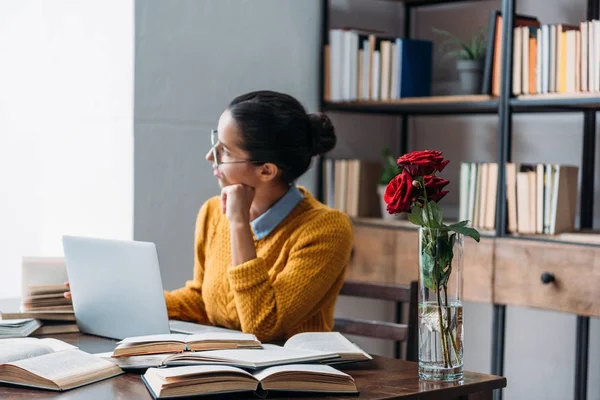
214,141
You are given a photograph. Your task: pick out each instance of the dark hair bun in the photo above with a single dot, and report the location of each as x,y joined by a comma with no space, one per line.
322,132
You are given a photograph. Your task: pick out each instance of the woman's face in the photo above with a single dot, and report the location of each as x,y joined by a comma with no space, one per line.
233,166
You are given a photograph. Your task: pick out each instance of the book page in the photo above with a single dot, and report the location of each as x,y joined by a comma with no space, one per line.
177,326
324,341
67,365
269,355
220,337
166,373
309,368
167,337
132,362
14,351
53,344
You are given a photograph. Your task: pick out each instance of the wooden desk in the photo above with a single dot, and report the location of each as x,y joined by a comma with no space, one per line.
382,378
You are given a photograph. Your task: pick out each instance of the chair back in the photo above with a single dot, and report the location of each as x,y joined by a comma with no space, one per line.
395,331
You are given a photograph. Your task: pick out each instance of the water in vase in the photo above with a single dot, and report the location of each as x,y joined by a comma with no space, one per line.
440,341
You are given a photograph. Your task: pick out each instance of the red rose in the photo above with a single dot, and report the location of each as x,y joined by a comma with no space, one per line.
421,163
434,186
400,193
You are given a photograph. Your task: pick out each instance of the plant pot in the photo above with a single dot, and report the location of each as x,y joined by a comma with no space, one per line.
384,213
470,74
440,305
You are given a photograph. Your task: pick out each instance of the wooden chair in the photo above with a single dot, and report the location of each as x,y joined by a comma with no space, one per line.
397,332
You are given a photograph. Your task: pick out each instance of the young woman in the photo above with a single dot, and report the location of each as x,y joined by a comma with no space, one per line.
269,258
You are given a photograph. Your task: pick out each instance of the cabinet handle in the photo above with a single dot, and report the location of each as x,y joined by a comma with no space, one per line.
547,277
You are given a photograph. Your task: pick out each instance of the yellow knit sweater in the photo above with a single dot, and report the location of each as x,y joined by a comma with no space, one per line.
290,287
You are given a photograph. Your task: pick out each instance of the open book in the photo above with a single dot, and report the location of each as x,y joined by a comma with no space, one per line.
333,342
211,379
174,343
50,364
313,347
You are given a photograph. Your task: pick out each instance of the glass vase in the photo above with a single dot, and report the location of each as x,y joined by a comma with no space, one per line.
440,305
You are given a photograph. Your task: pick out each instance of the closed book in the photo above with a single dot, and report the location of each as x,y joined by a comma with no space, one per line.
414,67
220,379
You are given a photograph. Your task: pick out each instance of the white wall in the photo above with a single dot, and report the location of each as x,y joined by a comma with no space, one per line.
66,126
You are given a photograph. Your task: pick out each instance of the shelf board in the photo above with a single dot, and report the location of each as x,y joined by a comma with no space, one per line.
402,223
556,102
434,105
424,3
590,238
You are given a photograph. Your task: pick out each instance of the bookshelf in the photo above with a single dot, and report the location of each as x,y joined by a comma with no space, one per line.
503,245
434,105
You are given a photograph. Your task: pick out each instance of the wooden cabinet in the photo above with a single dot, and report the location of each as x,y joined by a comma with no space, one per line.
478,267
519,265
373,255
391,255
495,270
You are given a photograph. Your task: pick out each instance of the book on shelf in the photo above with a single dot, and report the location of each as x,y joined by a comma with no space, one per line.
50,364
351,186
314,347
556,58
478,193
176,342
219,379
540,198
16,328
366,65
493,60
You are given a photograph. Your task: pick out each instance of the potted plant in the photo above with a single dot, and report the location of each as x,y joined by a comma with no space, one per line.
470,56
390,170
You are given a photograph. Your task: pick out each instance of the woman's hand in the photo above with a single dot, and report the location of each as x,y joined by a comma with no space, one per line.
236,201
67,294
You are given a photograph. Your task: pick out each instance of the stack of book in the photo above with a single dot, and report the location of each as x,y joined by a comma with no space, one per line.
238,362
48,304
540,198
362,65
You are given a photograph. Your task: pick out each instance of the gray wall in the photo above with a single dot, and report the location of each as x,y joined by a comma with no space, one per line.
192,58
540,345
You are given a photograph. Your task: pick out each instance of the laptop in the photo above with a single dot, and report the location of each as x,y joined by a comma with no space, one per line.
116,287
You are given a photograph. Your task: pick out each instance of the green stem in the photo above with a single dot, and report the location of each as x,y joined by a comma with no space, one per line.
449,330
445,334
445,348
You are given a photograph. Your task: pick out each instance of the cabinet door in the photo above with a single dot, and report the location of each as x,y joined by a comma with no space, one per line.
372,255
575,271
478,267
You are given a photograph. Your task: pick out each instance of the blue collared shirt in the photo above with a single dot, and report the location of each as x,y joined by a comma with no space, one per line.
268,221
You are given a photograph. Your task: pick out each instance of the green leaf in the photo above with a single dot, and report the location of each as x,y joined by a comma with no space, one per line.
436,211
416,216
432,215
458,225
427,269
465,230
